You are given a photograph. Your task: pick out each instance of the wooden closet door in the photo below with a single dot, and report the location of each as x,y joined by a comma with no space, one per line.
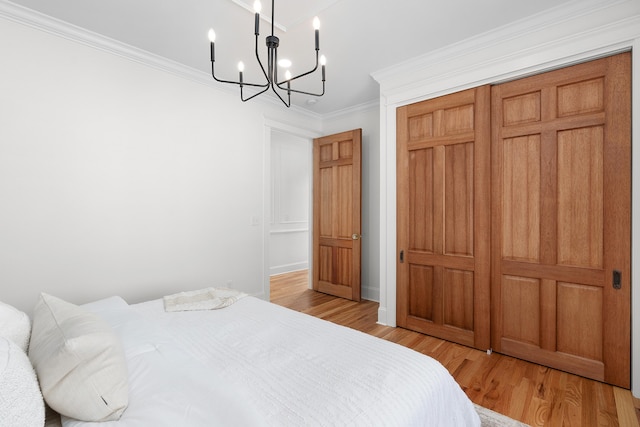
443,148
561,219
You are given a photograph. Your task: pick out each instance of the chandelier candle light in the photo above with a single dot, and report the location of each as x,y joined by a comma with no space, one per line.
271,74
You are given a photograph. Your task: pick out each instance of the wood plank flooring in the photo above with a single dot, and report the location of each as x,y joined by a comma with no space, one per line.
536,395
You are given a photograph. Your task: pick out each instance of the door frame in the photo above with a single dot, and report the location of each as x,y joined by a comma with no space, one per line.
561,37
269,127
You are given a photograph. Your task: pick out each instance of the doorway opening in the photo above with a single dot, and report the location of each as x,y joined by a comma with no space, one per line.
287,201
290,193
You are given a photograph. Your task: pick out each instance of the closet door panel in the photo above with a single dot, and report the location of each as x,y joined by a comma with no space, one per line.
458,199
521,198
458,298
444,217
580,197
421,200
421,292
521,317
580,320
561,219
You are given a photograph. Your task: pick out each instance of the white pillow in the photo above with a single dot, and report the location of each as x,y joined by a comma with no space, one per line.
15,325
21,403
79,361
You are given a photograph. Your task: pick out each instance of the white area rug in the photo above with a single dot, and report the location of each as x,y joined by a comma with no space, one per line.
490,418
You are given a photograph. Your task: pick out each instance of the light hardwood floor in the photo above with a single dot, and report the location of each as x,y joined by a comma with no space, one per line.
533,394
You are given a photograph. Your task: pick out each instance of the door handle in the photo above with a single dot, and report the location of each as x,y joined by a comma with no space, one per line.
617,279
356,236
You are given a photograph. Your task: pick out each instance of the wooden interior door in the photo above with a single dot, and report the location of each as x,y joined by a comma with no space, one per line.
337,172
561,219
443,157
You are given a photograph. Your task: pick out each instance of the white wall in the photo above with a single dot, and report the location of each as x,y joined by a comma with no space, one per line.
117,178
366,118
290,198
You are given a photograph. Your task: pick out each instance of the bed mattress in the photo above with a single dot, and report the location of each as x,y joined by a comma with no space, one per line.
255,363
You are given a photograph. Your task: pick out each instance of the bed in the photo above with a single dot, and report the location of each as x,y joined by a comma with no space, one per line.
254,363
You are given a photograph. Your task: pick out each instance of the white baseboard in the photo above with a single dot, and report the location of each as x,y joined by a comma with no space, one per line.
288,268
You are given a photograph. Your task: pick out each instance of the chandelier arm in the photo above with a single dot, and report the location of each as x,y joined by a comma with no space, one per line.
266,85
261,66
288,88
306,93
254,95
299,75
279,84
273,64
272,45
289,91
288,104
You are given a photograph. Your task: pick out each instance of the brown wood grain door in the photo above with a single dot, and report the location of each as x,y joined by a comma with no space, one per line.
337,172
561,219
443,161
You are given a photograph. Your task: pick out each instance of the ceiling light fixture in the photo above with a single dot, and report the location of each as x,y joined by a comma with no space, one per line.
271,74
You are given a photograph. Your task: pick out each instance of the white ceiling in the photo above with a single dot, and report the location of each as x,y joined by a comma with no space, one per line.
358,37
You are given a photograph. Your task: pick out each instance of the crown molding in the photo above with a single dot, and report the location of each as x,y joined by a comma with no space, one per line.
57,27
366,106
570,33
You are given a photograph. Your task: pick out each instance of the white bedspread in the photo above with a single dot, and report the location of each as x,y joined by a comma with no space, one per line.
255,363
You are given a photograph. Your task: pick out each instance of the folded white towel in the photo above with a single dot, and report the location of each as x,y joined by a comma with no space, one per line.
202,299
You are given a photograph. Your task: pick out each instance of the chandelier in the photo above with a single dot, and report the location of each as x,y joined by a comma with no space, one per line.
279,87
